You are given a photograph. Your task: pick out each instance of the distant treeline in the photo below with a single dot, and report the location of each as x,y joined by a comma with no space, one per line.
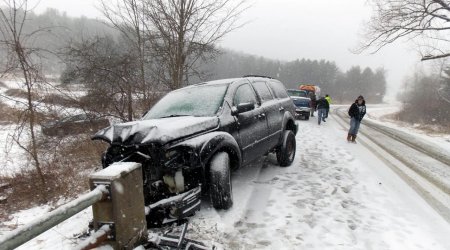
342,86
62,29
426,100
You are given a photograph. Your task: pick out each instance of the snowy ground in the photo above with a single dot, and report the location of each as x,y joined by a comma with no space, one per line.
63,236
376,113
12,157
335,196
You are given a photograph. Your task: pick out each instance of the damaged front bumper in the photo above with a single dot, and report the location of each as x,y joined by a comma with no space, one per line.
174,208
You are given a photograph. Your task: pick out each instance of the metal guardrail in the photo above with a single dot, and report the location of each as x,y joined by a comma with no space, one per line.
117,202
22,235
423,146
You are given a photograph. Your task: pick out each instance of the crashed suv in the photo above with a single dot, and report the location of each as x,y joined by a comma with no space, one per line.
195,136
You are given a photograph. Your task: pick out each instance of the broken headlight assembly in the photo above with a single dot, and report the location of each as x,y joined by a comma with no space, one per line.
180,158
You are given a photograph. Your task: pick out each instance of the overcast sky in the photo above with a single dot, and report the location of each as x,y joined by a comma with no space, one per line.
291,29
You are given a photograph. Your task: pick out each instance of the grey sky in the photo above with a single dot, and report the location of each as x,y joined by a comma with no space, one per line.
291,29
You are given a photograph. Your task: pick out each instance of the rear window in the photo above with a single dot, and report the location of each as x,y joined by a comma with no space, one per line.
278,89
298,93
263,91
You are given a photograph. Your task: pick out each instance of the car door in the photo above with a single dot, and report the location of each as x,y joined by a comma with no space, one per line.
272,112
252,125
285,102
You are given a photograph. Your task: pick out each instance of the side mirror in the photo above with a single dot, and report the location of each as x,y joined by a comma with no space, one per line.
242,107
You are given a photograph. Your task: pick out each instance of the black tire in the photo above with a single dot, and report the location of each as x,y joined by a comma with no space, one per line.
307,117
286,151
221,191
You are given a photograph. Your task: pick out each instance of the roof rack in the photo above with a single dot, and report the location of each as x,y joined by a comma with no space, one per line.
259,76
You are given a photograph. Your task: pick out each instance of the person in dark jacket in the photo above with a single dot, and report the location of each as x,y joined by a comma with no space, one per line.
322,107
356,113
313,103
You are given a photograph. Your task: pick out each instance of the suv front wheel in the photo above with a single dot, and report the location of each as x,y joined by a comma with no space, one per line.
220,181
286,151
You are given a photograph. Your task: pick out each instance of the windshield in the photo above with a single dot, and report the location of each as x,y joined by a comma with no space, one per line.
195,101
301,102
297,93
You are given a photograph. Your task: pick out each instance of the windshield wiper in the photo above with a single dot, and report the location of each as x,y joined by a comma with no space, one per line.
169,116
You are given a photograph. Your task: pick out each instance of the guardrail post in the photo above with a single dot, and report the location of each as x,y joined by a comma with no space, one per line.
124,209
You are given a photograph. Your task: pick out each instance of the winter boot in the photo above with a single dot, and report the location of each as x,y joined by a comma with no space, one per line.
354,138
349,137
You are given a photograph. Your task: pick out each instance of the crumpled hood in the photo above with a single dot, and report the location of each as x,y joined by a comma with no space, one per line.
158,131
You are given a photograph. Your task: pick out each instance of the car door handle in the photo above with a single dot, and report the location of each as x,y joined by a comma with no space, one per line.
281,109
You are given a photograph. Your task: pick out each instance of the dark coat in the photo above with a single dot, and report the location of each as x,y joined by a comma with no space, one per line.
313,102
322,103
357,111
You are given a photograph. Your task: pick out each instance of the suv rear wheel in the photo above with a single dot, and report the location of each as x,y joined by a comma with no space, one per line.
220,181
286,151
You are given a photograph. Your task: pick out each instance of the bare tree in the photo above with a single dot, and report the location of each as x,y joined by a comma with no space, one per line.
427,22
126,16
23,61
109,70
184,32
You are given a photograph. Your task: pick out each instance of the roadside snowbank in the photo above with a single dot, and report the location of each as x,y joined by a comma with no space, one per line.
375,114
62,236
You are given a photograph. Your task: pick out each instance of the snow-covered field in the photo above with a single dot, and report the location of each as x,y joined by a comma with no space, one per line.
335,196
12,157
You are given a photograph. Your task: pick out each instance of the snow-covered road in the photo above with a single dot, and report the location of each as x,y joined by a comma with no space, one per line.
336,195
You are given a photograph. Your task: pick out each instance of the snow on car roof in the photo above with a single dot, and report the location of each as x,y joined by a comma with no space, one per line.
211,83
216,82
299,97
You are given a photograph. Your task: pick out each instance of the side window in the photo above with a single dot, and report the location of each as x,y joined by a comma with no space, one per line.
278,89
263,91
244,94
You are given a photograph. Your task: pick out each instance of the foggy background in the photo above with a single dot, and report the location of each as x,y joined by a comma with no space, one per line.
295,29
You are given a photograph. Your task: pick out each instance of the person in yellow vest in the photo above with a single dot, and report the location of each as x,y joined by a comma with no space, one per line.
328,98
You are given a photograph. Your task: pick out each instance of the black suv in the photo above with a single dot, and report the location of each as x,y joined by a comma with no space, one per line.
194,136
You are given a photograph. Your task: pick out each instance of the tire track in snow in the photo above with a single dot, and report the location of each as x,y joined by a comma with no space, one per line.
426,175
330,198
306,197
